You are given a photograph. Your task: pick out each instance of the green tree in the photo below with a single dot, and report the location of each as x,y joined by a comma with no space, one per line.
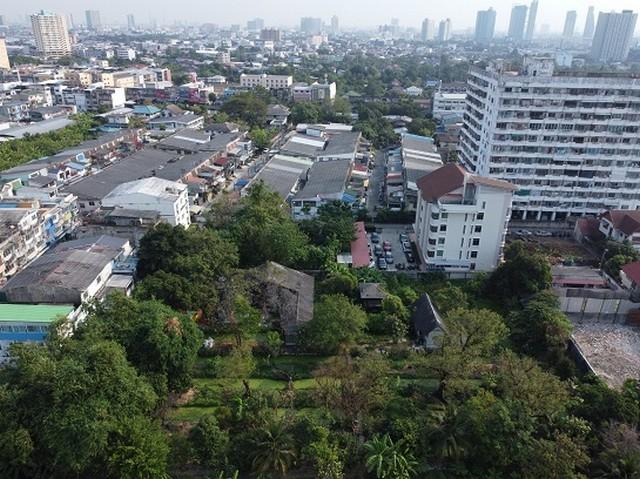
209,442
261,138
245,321
305,112
389,460
247,107
523,273
336,322
273,449
448,298
159,342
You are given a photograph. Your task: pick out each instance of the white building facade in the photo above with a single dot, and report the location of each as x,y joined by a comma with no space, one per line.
445,103
461,220
270,82
570,143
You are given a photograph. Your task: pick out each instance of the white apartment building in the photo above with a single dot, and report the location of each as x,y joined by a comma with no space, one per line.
167,198
270,82
462,220
445,103
22,239
569,142
52,36
125,53
314,92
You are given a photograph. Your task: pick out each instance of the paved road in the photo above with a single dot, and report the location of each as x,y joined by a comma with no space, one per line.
375,181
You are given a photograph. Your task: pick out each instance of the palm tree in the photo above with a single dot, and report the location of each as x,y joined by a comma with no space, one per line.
273,449
389,460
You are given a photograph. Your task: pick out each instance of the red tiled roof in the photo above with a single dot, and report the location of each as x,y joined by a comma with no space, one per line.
221,161
450,177
632,270
626,221
360,247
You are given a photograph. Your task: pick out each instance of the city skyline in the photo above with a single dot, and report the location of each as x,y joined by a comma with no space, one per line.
352,15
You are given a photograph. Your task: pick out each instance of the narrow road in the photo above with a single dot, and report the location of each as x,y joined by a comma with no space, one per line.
376,180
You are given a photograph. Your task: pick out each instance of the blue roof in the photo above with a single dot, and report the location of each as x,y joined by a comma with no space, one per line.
347,198
146,109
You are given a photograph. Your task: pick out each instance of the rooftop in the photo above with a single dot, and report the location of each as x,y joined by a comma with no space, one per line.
33,313
40,127
326,178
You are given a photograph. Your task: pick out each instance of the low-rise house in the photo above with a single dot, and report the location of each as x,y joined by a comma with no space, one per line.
282,174
462,219
22,323
427,323
324,143
319,92
72,272
277,115
630,279
45,126
371,296
621,226
419,156
168,199
174,123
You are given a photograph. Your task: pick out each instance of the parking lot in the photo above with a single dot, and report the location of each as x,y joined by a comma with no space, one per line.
391,233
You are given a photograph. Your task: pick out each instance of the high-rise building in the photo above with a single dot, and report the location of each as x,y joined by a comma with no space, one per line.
93,20
310,25
485,25
531,21
517,22
335,24
270,35
589,24
4,56
426,33
255,25
612,38
538,130
3,20
52,37
570,24
444,30
131,22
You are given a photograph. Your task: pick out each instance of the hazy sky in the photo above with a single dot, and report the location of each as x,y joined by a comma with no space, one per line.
363,13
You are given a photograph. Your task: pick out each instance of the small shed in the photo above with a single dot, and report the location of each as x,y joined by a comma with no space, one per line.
371,296
427,323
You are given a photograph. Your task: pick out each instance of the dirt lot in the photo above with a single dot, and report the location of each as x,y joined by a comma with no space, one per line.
612,349
561,249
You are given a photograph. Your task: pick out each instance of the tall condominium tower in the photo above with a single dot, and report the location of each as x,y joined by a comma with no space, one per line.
485,25
612,38
52,37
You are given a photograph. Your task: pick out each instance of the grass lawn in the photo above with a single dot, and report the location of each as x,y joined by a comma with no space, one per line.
189,414
254,383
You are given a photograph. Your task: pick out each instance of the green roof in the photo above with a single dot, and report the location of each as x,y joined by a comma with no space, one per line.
33,313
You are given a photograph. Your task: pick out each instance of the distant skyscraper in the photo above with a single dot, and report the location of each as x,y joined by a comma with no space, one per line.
589,25
310,25
335,24
93,20
255,25
613,35
131,22
531,21
444,30
70,23
4,56
485,25
517,22
570,24
426,33
52,36
3,20
270,35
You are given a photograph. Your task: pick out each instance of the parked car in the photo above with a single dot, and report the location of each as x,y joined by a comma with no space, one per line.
382,263
388,256
404,237
545,234
400,266
406,246
375,237
386,246
410,258
377,250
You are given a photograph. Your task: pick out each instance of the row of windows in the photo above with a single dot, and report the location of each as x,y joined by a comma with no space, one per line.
440,253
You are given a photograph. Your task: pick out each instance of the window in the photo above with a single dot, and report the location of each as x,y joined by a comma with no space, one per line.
484,204
477,229
480,216
443,228
92,203
440,253
444,216
474,254
475,242
430,254
440,240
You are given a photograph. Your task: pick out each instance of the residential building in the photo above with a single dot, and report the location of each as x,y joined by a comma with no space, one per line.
444,30
270,35
485,25
73,272
28,323
324,142
93,20
4,56
371,296
589,25
125,53
335,24
531,21
630,279
426,33
570,24
310,25
22,239
517,23
277,115
445,103
131,22
174,123
255,25
324,182
314,92
270,82
419,156
613,35
427,323
568,140
168,199
461,220
621,226
52,36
